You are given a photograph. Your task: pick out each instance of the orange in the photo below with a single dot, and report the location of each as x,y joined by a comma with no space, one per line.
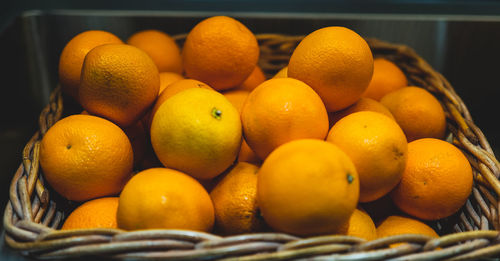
398,225
172,89
138,139
387,77
307,187
85,157
221,52
96,213
247,154
235,201
166,78
283,73
436,182
378,148
281,110
419,114
336,62
256,77
119,83
164,198
360,225
237,98
73,54
197,131
160,47
363,104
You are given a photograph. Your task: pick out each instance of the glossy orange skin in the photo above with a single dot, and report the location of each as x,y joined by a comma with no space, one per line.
378,148
150,198
282,110
307,187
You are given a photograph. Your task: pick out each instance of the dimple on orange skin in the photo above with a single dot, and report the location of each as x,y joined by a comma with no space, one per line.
378,148
281,110
221,52
85,157
119,83
73,54
436,182
96,213
307,187
336,62
161,198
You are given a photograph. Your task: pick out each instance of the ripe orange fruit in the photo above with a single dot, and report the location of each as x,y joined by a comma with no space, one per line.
221,52
363,104
197,131
235,201
73,54
166,78
307,187
119,83
419,114
164,198
96,213
360,225
387,77
336,62
137,137
254,79
378,148
85,157
237,98
397,225
436,182
160,47
283,73
172,89
281,110
247,154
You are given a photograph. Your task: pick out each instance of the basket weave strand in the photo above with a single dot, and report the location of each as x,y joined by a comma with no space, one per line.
31,218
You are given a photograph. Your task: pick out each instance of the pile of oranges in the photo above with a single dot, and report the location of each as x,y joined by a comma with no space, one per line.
198,138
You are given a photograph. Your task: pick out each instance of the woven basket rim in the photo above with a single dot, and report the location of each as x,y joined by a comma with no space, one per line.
31,218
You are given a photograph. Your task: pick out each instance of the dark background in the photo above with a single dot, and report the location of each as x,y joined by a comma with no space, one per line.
461,39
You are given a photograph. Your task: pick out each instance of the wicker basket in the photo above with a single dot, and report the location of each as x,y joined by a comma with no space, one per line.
31,218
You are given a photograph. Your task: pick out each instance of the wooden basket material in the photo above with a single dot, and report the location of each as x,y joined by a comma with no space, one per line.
31,218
